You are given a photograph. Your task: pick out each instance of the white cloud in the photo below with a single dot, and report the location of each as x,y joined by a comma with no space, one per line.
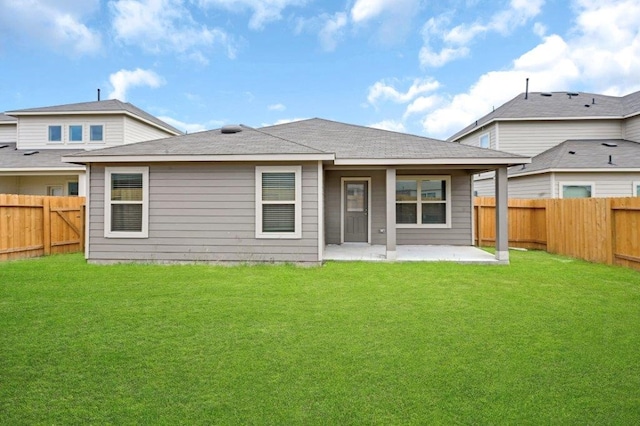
422,104
332,31
453,43
392,18
264,11
56,24
600,55
166,26
185,127
284,121
383,91
123,80
276,107
392,125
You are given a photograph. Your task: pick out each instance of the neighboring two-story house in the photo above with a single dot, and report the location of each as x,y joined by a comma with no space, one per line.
582,144
32,141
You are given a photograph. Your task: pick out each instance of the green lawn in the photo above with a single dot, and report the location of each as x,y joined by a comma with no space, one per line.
547,340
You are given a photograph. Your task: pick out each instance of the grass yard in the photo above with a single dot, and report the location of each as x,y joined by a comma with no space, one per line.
547,340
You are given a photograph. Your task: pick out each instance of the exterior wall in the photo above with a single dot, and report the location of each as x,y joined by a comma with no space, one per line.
534,186
473,139
332,205
137,131
461,231
632,129
203,212
33,131
8,185
485,187
534,137
606,184
8,133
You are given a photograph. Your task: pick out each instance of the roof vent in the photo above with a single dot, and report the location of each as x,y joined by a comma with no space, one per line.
547,94
570,94
610,144
31,152
587,105
572,152
230,129
4,146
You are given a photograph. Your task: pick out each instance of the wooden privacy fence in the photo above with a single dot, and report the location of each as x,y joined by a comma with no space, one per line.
604,230
33,225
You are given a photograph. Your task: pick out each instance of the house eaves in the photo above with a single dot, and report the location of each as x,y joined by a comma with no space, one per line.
197,158
602,170
510,161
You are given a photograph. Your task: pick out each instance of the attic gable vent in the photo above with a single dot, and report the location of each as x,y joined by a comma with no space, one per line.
610,144
230,129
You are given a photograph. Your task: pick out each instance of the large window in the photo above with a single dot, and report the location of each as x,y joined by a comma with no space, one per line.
576,190
75,133
423,201
55,133
278,202
96,133
126,202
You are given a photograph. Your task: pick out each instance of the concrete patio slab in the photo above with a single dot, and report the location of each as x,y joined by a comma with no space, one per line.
377,253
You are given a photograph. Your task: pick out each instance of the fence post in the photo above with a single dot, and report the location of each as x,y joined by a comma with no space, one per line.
46,225
611,231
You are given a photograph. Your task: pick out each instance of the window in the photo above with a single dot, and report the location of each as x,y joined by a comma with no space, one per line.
484,141
75,133
55,191
423,201
278,202
55,133
636,189
72,188
95,133
576,190
126,202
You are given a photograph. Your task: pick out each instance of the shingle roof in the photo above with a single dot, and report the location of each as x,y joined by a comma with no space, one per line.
313,136
585,154
557,106
7,119
107,106
46,159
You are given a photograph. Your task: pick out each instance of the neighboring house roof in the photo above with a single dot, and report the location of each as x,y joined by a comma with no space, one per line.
559,106
591,155
19,160
7,119
111,106
316,139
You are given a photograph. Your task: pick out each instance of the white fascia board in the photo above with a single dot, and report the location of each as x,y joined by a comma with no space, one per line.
40,171
431,161
196,158
539,172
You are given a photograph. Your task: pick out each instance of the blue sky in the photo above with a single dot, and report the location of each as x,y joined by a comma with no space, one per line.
423,67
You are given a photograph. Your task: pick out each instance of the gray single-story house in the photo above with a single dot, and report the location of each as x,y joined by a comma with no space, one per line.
283,193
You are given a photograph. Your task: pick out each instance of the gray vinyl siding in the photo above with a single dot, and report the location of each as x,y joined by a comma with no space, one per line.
534,186
606,184
473,139
460,232
33,131
9,184
137,131
534,137
204,212
8,133
485,187
332,203
632,129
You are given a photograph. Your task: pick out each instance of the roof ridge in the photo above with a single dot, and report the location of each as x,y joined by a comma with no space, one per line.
284,139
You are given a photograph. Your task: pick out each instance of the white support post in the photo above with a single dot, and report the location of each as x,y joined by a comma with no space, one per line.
502,216
391,214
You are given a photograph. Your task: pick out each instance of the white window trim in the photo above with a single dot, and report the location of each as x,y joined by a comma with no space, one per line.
66,188
104,137
448,202
488,135
634,188
561,184
61,141
82,140
108,233
297,234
